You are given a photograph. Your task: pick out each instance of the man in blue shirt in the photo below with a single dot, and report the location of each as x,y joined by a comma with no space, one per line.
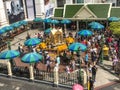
86,58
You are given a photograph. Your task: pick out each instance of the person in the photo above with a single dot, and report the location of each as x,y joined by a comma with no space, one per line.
58,60
28,36
36,68
35,35
94,70
20,48
73,64
91,83
48,8
115,60
86,58
48,65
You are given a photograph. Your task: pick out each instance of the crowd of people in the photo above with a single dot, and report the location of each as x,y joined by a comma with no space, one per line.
90,58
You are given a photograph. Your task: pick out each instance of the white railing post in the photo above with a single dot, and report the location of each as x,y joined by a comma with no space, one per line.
56,76
9,68
84,77
31,72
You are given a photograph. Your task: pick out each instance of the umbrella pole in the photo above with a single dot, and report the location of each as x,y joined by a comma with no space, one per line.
9,68
65,28
9,45
77,25
31,72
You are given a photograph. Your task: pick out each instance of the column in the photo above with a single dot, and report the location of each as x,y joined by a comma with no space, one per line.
24,7
84,77
31,72
39,7
56,76
3,14
9,68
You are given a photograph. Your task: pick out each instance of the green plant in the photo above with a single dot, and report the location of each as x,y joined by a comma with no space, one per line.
115,28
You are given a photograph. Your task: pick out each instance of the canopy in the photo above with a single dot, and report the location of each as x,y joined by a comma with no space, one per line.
9,54
85,33
31,57
32,41
38,20
113,19
65,21
76,46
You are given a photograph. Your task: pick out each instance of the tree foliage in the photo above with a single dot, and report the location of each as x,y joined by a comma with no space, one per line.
115,27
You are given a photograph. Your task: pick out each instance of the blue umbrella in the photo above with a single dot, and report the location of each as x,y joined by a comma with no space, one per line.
54,21
38,20
75,46
85,33
9,54
7,28
94,23
97,27
47,31
23,22
31,58
65,21
32,41
47,20
16,25
113,19
2,31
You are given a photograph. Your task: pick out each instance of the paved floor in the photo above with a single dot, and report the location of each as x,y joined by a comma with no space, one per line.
103,77
13,84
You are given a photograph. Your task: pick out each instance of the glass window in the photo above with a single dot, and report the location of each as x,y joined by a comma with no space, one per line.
80,1
60,3
30,9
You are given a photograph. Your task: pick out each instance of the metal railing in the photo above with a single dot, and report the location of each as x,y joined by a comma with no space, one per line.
69,79
3,68
43,75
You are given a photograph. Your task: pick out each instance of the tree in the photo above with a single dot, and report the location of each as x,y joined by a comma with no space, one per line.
115,28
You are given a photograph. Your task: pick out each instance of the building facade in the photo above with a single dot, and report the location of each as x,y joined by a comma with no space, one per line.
29,9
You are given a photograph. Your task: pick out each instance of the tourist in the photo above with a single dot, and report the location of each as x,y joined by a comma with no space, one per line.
58,60
86,58
94,70
68,69
115,60
48,65
35,35
91,82
28,36
73,65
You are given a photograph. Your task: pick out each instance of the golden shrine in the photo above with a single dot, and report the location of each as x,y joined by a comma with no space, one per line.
56,36
55,41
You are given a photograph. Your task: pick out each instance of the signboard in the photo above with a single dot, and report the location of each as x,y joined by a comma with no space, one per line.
49,7
15,11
